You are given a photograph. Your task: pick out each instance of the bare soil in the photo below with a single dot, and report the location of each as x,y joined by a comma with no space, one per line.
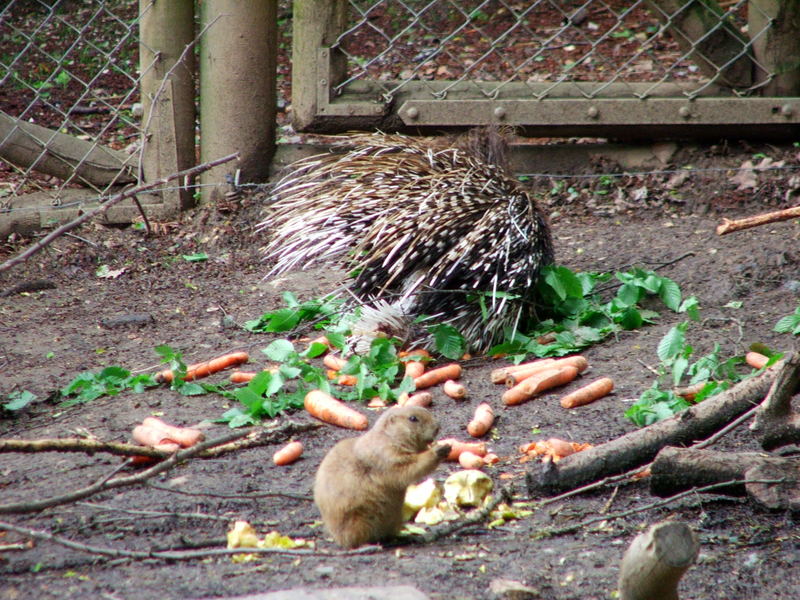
49,336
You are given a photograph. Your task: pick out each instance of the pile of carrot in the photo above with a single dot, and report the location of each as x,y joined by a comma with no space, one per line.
554,448
204,369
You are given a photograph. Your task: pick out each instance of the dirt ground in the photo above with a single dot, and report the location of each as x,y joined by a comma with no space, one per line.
49,336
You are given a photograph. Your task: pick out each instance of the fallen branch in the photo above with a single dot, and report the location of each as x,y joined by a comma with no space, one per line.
770,481
172,555
105,483
776,424
104,206
729,226
641,446
656,560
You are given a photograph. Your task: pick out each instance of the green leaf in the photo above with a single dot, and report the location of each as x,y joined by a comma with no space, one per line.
448,341
629,294
671,345
630,319
196,257
279,350
789,323
670,294
19,399
563,282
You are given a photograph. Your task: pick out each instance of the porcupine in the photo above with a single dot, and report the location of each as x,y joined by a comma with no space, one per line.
425,228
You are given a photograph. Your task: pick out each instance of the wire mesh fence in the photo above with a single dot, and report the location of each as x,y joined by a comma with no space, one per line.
548,46
68,95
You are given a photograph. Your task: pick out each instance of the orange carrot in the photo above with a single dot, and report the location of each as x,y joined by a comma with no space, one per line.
756,360
538,383
334,362
689,392
149,436
326,408
204,369
414,368
482,421
499,375
579,362
438,375
288,454
418,354
321,340
418,399
588,393
185,436
455,390
491,458
468,460
242,376
347,380
457,447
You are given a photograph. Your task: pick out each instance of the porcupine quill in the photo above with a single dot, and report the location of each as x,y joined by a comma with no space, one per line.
425,226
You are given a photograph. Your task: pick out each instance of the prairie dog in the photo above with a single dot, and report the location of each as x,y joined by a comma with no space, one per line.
362,481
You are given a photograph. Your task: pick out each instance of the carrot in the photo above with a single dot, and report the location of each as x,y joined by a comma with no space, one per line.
468,460
756,360
482,421
376,402
242,376
334,362
321,340
579,362
560,448
491,458
538,383
347,380
246,376
418,399
204,369
455,390
185,436
588,393
438,375
418,354
326,408
689,392
149,436
499,375
457,447
288,454
414,368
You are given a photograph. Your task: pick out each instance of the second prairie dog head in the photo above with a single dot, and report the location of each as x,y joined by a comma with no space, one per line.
412,427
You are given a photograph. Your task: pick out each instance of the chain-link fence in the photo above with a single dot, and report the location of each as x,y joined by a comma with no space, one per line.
553,43
414,57
69,100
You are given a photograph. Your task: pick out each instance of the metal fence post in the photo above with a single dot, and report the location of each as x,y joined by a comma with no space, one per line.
237,89
167,67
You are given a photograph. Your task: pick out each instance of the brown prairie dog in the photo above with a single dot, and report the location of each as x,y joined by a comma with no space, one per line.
362,481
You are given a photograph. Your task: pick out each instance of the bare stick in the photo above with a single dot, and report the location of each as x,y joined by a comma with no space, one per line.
104,484
729,225
174,555
56,233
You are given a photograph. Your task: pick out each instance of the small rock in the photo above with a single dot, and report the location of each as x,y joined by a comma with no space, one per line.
508,589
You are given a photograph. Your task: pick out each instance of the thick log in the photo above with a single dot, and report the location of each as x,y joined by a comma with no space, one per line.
770,481
31,146
656,560
641,446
